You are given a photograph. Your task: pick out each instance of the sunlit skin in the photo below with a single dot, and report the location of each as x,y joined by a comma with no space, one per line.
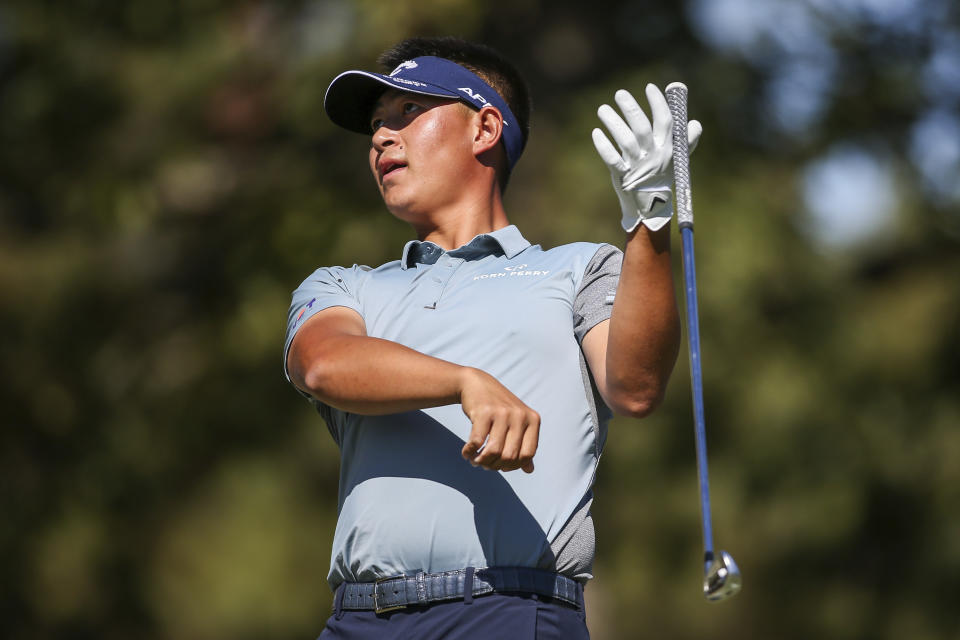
435,162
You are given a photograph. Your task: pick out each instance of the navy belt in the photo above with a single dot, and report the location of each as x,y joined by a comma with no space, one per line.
388,594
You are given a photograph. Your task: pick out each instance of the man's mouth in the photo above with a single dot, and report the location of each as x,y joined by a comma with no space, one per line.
389,166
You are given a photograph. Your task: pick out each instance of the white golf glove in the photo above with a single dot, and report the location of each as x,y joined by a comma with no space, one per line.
641,171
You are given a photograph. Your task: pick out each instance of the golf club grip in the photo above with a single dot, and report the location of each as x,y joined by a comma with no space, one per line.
677,100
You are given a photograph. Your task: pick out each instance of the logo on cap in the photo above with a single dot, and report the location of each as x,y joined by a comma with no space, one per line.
473,95
409,64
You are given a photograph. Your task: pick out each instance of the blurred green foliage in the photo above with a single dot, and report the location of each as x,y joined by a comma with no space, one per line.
167,177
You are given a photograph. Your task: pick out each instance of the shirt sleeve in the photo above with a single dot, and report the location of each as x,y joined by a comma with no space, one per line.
594,301
326,287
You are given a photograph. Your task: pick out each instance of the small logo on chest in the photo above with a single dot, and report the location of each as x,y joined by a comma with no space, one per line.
516,271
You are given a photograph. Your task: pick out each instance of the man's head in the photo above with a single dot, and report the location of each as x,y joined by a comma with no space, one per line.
446,68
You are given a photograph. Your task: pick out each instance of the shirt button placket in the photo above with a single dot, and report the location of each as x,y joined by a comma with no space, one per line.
443,270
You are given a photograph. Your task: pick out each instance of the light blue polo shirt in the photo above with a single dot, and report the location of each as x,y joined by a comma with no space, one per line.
408,500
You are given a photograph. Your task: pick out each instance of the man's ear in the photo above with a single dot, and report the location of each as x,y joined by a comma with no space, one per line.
489,130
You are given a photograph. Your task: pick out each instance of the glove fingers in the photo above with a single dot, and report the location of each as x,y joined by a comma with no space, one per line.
635,117
662,119
694,129
607,153
621,133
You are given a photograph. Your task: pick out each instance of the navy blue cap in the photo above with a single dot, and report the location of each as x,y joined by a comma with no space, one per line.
352,94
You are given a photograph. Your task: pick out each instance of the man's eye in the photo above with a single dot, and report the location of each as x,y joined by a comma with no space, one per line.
376,124
408,107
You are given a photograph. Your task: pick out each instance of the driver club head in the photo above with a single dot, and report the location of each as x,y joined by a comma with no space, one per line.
723,578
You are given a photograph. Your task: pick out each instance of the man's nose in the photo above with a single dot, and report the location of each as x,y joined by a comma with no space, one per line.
384,137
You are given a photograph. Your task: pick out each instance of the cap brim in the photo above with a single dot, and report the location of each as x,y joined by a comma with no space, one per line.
352,94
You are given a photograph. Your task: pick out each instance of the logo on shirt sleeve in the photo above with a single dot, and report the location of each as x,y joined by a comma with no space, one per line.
303,311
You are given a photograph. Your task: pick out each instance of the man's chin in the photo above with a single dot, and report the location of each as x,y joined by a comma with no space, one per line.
403,210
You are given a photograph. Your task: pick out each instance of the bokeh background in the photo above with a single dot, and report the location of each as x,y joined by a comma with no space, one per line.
167,177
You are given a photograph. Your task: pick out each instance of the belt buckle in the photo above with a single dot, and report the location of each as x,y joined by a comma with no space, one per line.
377,609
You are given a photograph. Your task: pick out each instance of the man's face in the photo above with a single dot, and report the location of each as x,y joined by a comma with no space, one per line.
419,149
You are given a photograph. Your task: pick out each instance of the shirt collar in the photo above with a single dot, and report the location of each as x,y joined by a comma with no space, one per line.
507,241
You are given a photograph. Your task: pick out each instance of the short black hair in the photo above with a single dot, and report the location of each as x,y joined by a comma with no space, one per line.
480,59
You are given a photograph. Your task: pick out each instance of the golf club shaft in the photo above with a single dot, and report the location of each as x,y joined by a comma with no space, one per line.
696,379
677,99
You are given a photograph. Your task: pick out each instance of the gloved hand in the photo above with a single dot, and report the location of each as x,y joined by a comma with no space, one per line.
641,171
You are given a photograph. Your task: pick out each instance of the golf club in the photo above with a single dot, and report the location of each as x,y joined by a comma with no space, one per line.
721,574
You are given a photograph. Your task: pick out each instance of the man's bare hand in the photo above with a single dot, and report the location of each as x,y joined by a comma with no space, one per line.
505,431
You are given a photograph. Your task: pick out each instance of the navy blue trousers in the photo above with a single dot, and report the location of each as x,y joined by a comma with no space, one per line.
490,617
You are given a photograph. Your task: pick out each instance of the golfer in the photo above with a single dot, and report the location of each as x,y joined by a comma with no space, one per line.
469,383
